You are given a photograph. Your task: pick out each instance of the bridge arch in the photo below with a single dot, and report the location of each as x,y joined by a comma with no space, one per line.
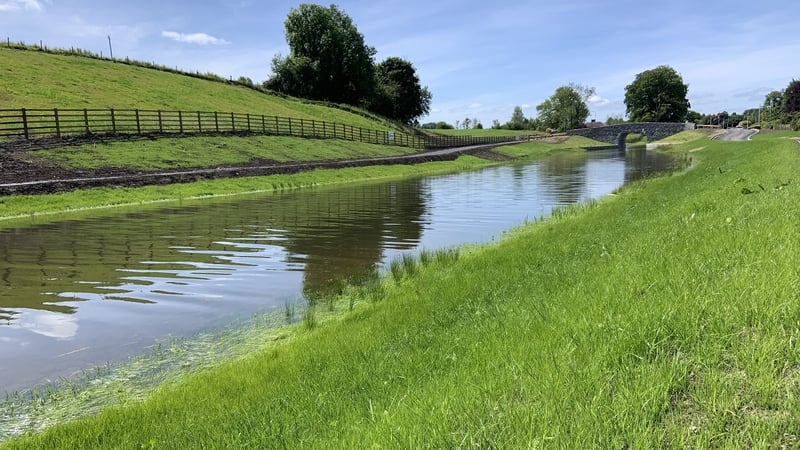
615,134
621,140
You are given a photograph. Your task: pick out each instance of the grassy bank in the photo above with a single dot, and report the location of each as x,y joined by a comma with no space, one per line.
76,82
26,209
664,316
179,153
16,210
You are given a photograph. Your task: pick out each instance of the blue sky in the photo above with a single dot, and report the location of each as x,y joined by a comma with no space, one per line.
479,59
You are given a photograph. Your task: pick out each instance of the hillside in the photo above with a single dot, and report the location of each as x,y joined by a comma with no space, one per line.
36,79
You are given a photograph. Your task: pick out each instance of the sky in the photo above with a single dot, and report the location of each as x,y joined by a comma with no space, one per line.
479,59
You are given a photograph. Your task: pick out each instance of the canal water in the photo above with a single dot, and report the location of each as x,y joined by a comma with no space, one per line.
81,293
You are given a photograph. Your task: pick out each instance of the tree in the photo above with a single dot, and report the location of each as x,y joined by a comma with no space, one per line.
566,108
517,121
772,110
398,93
657,95
791,97
328,58
752,115
694,116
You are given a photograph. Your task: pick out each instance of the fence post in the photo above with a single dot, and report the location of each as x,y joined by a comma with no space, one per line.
58,125
302,128
233,122
199,123
216,121
113,122
249,130
86,120
25,123
138,123
180,120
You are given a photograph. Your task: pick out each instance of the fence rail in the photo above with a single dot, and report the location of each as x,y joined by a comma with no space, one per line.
30,124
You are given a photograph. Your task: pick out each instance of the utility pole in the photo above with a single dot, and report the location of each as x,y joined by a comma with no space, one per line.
109,47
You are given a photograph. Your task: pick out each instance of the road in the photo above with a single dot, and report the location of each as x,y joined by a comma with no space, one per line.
735,134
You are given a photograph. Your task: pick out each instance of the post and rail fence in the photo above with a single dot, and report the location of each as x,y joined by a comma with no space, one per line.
31,124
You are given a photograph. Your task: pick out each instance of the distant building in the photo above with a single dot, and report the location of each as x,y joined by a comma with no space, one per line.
593,124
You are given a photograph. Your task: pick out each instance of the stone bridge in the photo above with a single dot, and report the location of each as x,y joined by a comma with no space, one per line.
615,134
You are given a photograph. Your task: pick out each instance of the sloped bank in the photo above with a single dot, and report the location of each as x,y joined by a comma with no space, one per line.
21,177
665,316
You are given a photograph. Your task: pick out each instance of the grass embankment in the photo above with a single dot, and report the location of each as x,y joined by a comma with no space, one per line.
24,209
180,153
77,82
664,316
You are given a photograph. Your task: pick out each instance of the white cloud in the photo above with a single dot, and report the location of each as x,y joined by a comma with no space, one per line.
193,38
596,100
16,5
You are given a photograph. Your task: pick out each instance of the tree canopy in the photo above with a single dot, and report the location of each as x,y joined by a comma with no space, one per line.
566,108
398,93
657,95
328,60
791,97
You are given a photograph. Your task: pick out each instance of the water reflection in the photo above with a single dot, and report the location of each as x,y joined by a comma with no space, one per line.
110,286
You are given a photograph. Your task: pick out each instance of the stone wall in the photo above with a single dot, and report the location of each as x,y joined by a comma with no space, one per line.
615,134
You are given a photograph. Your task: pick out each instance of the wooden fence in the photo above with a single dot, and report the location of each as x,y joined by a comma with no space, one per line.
29,124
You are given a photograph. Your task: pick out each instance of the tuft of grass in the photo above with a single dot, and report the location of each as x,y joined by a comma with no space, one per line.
396,270
409,264
310,320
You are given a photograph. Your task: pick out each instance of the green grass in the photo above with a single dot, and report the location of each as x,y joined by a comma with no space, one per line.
485,132
176,153
666,315
687,136
538,147
16,210
76,82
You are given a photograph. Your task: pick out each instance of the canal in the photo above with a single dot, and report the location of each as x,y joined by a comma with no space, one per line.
80,293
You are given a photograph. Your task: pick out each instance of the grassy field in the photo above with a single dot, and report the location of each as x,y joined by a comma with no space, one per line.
75,82
666,315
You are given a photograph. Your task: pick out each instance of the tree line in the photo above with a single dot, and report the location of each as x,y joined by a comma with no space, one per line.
780,109
329,60
655,95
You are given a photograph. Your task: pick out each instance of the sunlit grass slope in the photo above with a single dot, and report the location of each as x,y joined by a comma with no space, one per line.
664,316
34,79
